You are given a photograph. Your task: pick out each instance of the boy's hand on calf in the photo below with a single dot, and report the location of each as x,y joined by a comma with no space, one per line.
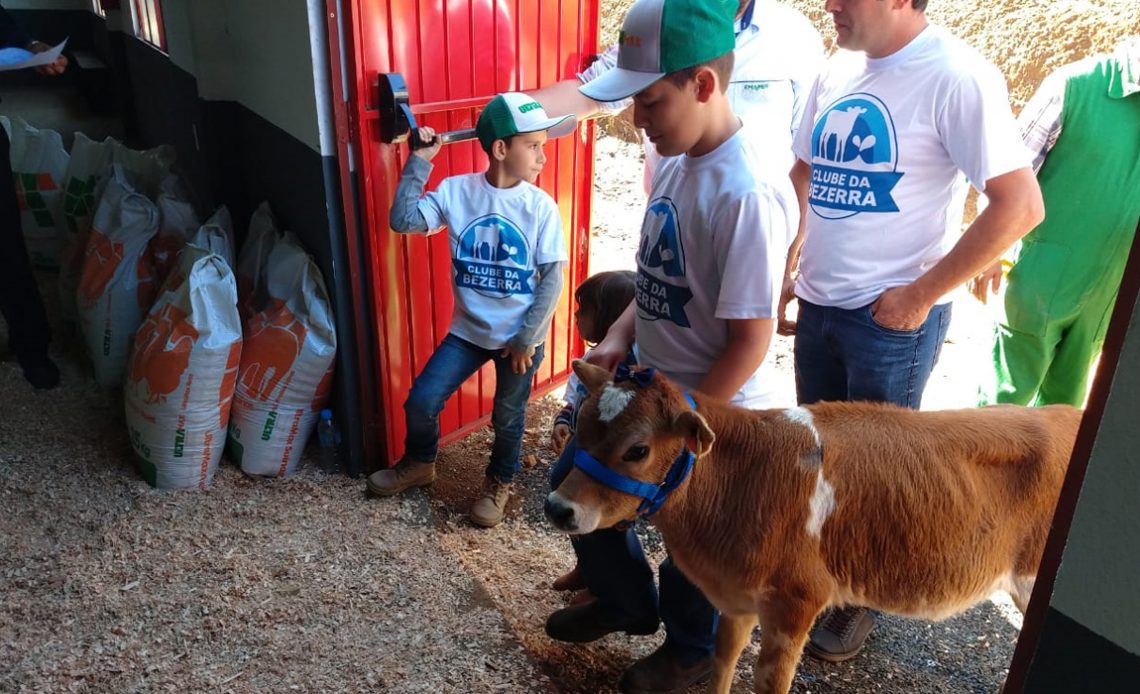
608,354
521,360
558,438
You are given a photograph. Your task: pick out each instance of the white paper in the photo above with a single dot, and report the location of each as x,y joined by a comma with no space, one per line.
18,58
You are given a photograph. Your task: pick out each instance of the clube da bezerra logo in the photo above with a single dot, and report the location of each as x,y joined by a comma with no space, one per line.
492,258
854,159
661,256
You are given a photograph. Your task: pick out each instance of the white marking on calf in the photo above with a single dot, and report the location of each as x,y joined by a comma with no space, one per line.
822,505
802,416
612,402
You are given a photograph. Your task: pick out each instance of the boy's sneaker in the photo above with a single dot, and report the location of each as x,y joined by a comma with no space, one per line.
840,633
488,510
406,474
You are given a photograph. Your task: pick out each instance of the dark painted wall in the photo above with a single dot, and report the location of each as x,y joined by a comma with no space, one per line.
165,109
51,26
1072,658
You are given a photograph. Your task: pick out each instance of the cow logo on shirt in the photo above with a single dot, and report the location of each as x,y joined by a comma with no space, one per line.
854,159
491,258
661,256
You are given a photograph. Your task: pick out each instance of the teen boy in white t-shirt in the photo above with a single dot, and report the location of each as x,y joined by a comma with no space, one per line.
777,55
894,126
507,256
710,264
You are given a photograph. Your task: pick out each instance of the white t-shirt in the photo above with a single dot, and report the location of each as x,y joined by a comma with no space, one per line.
890,141
713,246
778,56
499,237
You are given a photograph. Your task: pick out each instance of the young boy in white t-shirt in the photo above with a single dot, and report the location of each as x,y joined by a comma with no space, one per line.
711,260
508,253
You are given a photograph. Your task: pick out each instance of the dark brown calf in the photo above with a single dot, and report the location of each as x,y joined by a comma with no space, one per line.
921,514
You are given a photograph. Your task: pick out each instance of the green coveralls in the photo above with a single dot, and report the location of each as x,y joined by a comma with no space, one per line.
1064,282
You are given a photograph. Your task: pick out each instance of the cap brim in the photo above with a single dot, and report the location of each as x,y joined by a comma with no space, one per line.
555,127
618,84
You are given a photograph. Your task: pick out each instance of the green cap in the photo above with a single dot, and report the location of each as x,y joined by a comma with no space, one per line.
512,113
662,36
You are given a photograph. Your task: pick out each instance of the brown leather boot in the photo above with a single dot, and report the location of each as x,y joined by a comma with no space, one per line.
488,510
571,580
406,474
592,620
661,673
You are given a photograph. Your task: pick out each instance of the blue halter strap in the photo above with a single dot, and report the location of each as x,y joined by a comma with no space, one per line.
652,495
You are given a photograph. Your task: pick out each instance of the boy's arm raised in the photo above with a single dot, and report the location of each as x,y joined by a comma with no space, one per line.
563,98
748,342
405,216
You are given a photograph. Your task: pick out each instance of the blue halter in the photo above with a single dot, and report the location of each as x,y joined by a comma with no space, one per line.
652,495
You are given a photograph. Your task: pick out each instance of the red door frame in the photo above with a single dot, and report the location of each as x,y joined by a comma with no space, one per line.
369,171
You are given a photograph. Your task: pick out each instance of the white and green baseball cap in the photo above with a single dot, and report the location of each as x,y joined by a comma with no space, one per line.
662,36
512,113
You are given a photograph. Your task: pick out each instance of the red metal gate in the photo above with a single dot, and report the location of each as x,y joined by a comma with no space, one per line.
455,55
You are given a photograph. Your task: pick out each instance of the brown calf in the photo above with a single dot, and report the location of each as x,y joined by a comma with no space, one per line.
921,514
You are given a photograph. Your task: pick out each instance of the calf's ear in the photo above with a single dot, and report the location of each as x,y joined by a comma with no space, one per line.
592,377
693,427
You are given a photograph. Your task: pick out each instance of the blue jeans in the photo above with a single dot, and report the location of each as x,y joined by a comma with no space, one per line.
843,354
616,571
450,365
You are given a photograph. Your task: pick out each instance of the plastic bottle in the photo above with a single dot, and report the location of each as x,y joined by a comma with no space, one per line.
329,439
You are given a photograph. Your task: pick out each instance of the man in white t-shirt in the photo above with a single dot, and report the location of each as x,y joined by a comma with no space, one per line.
507,256
893,127
777,56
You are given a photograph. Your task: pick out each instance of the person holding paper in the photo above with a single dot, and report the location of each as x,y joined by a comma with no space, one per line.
20,302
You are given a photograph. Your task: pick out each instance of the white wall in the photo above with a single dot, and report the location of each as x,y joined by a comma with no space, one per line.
179,33
1098,583
255,52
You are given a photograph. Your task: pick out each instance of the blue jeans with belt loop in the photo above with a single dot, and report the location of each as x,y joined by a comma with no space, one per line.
450,365
615,569
843,354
